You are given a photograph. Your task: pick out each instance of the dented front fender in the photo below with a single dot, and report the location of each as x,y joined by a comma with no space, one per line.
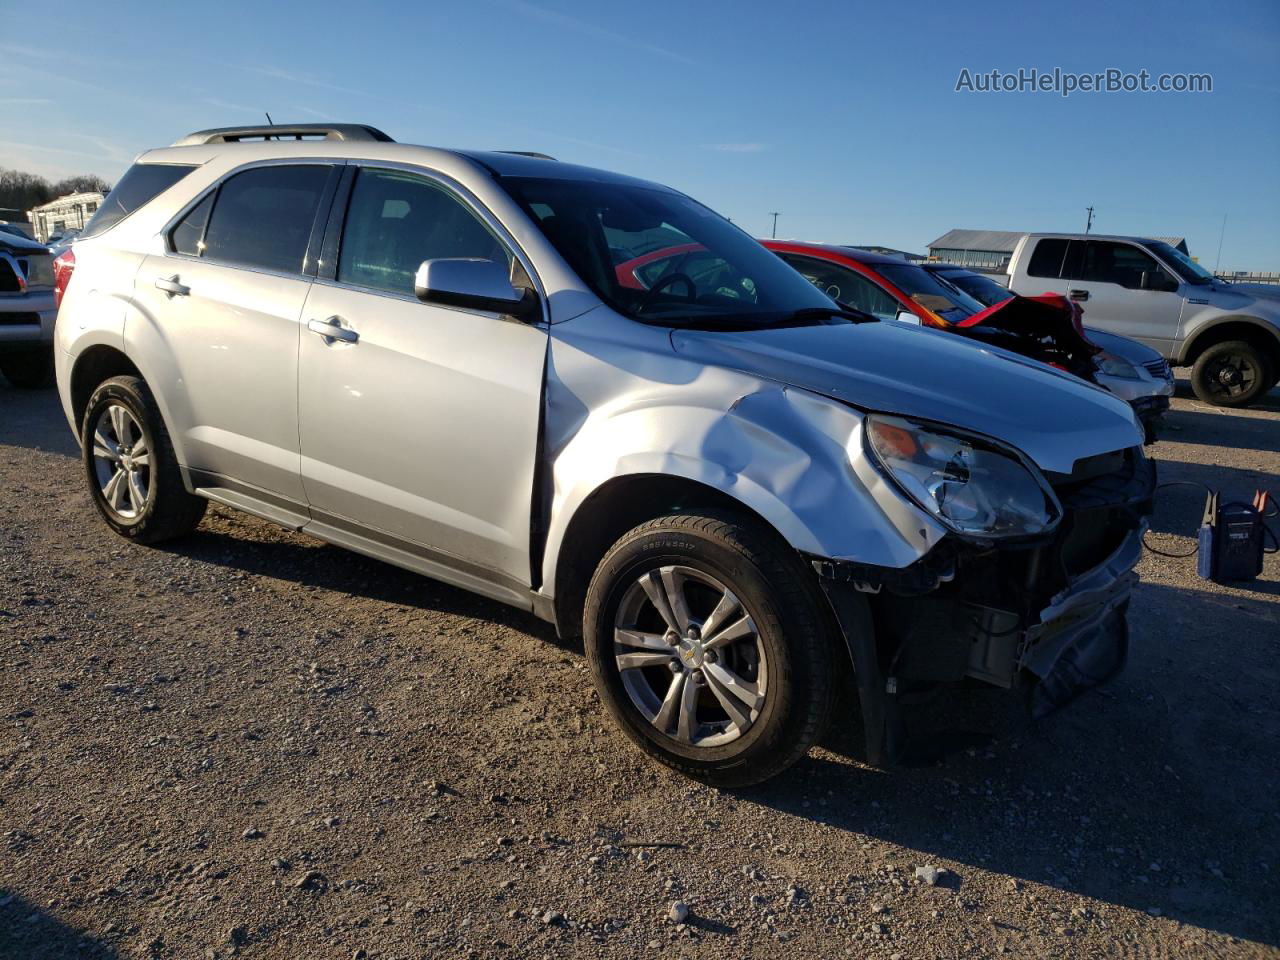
622,403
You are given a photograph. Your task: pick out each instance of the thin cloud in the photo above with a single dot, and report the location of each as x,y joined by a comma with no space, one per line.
22,51
299,78
113,150
591,144
228,105
738,147
590,29
43,148
22,101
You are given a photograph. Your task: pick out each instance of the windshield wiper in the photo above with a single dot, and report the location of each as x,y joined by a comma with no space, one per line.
811,314
745,322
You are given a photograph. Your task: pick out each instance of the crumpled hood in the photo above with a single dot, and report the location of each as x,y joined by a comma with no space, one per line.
1054,418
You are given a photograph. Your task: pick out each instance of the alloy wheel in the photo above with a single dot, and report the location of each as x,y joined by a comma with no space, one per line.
690,657
121,461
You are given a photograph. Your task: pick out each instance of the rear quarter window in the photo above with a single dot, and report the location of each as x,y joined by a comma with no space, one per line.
141,184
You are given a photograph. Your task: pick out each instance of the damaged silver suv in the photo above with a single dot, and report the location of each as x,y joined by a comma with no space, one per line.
719,479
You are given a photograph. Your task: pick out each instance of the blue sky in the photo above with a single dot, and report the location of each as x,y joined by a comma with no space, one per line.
842,116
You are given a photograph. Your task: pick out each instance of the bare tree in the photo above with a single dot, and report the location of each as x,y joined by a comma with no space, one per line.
20,191
85,183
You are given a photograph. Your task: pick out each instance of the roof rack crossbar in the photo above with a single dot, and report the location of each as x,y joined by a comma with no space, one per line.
285,131
527,153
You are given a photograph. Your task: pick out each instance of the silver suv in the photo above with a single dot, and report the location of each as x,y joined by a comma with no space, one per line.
729,487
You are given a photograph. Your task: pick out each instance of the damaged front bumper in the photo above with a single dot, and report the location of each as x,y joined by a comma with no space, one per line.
1049,618
1082,638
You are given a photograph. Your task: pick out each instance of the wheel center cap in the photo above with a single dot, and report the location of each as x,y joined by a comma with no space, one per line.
691,653
1229,375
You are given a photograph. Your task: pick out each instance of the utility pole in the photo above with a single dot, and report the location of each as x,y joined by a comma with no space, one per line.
775,224
1217,261
1088,223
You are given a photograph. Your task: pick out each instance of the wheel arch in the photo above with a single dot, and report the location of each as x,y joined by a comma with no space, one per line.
616,506
1249,329
94,365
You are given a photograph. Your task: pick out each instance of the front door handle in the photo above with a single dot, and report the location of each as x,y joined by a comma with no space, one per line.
172,287
332,329
1078,295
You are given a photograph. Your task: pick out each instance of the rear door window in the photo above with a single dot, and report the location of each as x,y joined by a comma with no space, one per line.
140,185
263,218
1047,258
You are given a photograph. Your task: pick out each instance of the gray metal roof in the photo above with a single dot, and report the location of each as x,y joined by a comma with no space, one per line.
1002,241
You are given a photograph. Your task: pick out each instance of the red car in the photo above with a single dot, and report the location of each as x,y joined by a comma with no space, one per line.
1047,328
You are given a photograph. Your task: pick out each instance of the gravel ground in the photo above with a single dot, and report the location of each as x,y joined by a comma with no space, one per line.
248,743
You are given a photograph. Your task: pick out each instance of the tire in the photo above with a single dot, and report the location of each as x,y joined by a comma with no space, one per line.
1233,373
28,369
148,503
786,639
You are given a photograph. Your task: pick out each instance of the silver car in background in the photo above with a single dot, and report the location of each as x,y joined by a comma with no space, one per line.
724,483
27,310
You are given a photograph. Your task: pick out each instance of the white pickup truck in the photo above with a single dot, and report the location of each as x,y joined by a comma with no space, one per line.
1152,292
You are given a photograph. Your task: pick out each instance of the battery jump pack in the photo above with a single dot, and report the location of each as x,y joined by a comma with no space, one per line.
1232,539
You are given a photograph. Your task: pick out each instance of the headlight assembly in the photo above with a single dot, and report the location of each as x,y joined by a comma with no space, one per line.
971,484
1114,366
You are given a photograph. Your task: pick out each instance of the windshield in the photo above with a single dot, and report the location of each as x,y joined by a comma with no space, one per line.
1185,267
931,292
981,288
660,257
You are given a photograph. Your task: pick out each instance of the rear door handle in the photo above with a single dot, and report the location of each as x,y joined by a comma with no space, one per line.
1080,295
332,329
171,286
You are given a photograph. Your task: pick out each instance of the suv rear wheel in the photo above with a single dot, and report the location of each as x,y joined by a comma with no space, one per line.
28,369
130,466
1232,374
706,645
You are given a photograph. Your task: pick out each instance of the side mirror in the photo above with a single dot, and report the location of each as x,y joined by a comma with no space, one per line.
472,284
1157,280
906,316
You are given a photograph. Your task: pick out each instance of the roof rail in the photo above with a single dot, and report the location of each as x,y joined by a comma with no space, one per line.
527,153
285,131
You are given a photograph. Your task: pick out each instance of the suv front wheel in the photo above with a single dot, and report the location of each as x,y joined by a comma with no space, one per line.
133,475
706,646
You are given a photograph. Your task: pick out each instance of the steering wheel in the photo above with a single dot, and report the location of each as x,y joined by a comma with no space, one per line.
665,282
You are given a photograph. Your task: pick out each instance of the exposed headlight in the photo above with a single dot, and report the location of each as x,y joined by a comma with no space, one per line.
971,484
1114,366
40,270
